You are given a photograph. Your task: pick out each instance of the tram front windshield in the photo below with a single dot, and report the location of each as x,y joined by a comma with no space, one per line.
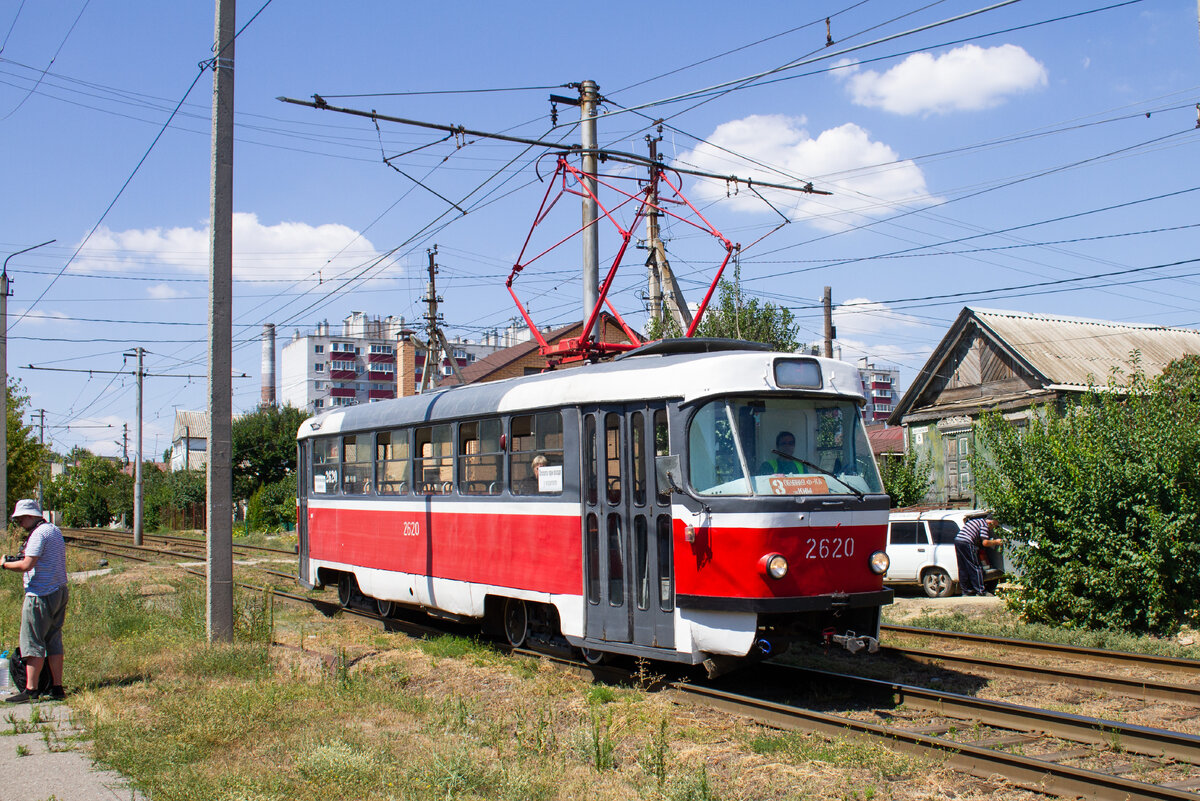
780,446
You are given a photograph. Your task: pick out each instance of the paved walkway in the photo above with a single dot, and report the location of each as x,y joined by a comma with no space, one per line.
41,759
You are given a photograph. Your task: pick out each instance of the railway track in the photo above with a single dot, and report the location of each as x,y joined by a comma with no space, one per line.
1045,751
987,740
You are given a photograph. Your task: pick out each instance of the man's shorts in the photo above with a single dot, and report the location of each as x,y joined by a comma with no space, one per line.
42,622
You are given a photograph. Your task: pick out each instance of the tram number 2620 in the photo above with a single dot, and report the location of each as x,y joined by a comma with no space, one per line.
829,548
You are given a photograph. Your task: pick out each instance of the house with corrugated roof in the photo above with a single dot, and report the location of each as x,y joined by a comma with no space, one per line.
1014,362
189,441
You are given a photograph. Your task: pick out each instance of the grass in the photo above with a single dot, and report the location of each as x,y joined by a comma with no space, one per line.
307,706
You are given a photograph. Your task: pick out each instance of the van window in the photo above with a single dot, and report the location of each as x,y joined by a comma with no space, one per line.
944,531
906,532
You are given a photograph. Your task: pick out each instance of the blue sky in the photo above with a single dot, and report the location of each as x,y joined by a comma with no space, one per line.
999,150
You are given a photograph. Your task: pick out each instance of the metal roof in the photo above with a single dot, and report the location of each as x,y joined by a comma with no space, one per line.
1075,352
190,424
687,376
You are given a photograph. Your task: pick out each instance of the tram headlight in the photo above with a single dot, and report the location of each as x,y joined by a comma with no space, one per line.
880,562
774,565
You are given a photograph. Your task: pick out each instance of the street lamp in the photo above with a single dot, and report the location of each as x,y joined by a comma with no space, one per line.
4,371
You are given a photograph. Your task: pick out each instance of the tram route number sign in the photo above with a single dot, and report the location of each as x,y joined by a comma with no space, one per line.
799,485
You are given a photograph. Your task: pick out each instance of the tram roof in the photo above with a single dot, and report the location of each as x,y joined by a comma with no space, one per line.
651,376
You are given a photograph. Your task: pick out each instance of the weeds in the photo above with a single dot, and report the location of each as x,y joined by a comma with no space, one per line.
22,751
603,749
695,788
655,757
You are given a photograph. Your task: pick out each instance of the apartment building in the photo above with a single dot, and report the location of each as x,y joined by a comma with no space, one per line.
879,388
358,363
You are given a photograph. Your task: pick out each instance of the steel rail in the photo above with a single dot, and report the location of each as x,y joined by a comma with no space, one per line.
1189,667
1041,776
1080,728
1137,688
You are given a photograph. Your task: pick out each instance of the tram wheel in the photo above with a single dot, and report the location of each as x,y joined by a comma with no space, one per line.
936,583
516,622
385,608
592,656
347,588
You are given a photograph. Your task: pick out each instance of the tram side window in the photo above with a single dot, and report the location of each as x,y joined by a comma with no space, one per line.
612,456
637,457
481,470
391,462
662,447
536,455
434,459
325,466
356,464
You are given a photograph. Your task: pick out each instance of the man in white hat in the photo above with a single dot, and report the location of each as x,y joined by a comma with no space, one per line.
44,565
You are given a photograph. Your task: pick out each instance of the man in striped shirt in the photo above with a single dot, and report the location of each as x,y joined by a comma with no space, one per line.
974,534
44,565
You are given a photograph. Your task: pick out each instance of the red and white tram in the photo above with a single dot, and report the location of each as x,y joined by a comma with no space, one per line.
652,505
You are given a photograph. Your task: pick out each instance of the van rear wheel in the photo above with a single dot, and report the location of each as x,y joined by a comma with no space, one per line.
936,583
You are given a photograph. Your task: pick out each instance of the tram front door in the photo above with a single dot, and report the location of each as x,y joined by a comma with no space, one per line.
628,573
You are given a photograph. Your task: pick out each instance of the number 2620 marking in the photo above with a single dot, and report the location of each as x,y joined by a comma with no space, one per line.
410,529
830,548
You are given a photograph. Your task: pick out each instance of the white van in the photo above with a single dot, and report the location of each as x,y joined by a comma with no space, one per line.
921,548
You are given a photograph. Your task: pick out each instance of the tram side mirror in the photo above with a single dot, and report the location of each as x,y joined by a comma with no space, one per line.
667,470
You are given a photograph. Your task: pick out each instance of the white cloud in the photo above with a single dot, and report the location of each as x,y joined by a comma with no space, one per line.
967,78
287,250
165,292
842,160
865,317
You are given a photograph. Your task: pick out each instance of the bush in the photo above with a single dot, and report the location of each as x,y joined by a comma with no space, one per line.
272,507
1108,491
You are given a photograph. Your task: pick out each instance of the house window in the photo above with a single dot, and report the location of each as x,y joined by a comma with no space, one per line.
318,404
318,348
958,464
337,365
319,367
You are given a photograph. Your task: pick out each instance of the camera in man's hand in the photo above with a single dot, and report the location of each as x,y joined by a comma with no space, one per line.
16,558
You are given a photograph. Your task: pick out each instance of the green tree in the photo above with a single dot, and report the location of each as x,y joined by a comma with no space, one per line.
1108,487
906,480
264,448
90,493
734,315
166,496
26,456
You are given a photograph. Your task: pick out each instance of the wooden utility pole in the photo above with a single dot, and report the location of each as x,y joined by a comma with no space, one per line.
220,338
660,269
830,331
588,99
436,344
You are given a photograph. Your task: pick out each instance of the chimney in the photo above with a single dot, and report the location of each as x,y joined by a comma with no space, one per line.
268,364
406,365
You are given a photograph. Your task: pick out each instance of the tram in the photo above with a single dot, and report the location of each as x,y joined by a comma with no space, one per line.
696,501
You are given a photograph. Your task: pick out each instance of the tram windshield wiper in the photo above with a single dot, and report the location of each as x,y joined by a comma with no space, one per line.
857,493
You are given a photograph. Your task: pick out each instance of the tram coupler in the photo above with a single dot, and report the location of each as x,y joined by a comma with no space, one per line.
852,642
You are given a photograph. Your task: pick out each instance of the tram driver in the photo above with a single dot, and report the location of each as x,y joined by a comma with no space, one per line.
785,443
529,485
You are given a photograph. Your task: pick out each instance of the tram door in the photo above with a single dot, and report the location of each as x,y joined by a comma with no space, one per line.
304,484
629,579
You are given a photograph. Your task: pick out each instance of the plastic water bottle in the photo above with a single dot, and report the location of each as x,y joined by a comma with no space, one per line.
4,670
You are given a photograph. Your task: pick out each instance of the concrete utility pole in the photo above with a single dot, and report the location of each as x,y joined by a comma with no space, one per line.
220,338
5,291
42,442
140,352
830,331
588,98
